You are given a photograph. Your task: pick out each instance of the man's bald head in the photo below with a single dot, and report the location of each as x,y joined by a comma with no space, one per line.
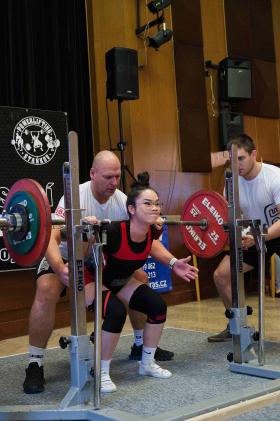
104,158
105,175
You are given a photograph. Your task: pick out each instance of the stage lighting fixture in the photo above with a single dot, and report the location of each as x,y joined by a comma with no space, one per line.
156,5
161,37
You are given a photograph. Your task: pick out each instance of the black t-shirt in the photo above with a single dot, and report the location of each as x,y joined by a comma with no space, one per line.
122,255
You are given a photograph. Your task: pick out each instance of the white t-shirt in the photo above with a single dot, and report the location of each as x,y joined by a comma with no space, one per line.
114,209
260,196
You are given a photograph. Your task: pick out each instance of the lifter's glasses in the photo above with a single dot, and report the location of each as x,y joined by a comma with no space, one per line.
150,203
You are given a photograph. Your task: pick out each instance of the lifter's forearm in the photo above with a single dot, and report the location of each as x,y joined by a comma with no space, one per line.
160,253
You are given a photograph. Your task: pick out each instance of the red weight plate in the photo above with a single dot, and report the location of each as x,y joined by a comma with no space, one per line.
210,241
43,237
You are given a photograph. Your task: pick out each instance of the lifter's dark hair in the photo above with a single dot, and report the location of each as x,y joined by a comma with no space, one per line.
242,141
137,187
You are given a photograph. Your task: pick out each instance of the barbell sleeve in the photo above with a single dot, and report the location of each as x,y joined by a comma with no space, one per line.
57,220
4,222
14,221
11,222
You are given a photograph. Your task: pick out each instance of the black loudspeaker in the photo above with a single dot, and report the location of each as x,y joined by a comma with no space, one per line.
230,125
122,73
234,79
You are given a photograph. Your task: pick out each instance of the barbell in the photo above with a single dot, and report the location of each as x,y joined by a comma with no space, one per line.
27,221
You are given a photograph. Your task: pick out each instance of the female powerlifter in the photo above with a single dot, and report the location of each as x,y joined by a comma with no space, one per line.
129,243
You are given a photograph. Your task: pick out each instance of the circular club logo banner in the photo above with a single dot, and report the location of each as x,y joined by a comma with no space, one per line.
35,141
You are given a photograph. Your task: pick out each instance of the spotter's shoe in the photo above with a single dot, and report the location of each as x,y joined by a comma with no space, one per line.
154,370
224,336
34,379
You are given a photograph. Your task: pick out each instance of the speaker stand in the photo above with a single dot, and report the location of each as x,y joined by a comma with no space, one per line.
121,147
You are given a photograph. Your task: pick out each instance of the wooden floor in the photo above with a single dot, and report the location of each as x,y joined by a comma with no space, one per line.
206,315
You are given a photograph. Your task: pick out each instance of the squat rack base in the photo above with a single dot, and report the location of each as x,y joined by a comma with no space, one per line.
254,369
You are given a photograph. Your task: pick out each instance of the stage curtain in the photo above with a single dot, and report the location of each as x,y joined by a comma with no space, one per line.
44,63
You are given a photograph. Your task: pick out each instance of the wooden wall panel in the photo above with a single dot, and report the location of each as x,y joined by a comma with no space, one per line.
249,29
276,30
238,15
250,126
267,139
154,116
262,30
264,102
190,83
213,30
189,63
187,22
215,49
107,32
194,140
180,187
265,133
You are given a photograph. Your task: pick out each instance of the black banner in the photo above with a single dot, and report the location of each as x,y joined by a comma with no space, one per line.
33,144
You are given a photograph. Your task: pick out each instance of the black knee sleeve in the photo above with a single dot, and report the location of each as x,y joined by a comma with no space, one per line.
147,301
113,312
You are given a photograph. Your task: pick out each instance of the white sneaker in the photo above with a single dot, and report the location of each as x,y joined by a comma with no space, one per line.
107,386
154,370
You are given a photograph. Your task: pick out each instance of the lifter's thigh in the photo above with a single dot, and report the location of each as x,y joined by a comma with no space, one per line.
127,290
